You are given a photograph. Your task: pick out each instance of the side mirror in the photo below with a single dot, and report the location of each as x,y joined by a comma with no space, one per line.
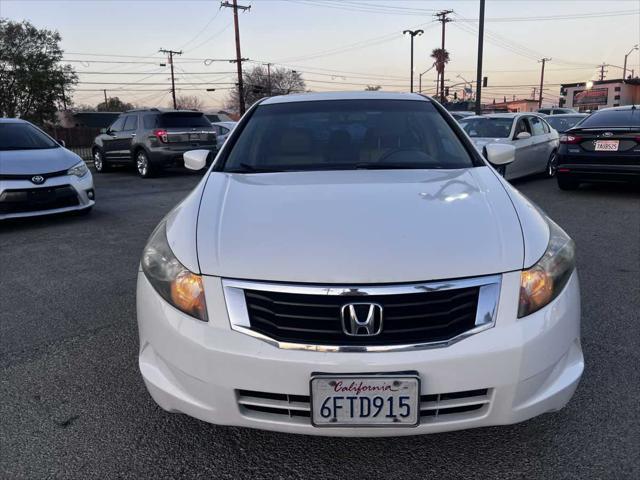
62,143
523,136
196,159
499,154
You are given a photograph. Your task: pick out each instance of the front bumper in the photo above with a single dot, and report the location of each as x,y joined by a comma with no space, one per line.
528,366
83,187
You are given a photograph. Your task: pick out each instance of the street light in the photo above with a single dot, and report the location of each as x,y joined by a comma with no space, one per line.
466,82
624,68
413,33
420,77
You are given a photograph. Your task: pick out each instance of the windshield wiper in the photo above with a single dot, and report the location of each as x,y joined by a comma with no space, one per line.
246,168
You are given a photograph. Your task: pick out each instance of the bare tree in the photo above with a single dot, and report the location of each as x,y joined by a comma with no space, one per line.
373,88
260,83
189,102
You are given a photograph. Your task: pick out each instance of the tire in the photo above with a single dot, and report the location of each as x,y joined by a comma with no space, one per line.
99,163
552,165
565,183
144,167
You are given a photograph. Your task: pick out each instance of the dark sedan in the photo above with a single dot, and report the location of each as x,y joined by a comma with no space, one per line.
604,147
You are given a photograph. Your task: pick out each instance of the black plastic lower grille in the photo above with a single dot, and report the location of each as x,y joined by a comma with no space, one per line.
35,199
407,318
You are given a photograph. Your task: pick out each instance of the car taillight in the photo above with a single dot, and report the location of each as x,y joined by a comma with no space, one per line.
570,139
161,135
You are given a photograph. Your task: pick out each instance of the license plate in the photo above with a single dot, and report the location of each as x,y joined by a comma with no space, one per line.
365,401
607,145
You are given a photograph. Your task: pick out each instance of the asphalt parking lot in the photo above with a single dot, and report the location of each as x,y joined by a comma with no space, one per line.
74,405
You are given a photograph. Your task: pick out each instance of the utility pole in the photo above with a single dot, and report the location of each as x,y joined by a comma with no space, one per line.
603,71
269,78
173,80
543,61
533,93
413,33
624,68
105,98
479,67
442,17
237,7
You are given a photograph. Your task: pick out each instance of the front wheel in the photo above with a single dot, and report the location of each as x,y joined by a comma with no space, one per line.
99,163
552,165
565,183
143,165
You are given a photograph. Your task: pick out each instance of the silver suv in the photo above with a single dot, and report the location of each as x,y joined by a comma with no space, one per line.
152,139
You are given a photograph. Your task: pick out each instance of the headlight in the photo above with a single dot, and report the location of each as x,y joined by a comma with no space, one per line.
79,170
172,280
541,283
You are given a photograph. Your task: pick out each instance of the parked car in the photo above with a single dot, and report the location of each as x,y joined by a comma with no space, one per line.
152,139
38,176
535,141
218,117
351,261
603,147
461,115
223,129
562,123
556,111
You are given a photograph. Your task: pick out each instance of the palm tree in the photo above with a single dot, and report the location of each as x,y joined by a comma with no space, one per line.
441,58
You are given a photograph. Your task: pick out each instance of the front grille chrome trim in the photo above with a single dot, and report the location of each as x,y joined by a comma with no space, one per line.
489,293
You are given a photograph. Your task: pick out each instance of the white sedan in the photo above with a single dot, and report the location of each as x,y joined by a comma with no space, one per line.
326,278
535,141
38,176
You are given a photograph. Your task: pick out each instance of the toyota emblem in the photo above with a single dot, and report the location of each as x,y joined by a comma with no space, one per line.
37,179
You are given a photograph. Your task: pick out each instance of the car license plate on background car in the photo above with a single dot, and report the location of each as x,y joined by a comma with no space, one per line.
365,400
607,145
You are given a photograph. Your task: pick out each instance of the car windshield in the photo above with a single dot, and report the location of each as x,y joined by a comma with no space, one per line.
562,124
629,117
183,120
23,136
346,134
487,127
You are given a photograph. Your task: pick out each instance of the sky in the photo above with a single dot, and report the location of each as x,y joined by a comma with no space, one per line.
335,44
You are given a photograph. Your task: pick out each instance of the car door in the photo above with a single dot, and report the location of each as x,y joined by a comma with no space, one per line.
543,146
524,149
125,137
110,138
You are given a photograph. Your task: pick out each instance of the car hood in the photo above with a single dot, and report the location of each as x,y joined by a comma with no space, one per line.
32,162
358,227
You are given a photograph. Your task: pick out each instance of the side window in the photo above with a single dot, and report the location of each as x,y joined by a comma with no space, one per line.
117,125
150,121
522,126
224,131
131,122
536,126
546,127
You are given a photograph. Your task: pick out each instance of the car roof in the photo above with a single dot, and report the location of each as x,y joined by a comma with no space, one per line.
565,115
623,107
12,120
314,97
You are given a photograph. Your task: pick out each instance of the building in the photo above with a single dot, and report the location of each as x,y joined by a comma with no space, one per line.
524,105
71,119
600,94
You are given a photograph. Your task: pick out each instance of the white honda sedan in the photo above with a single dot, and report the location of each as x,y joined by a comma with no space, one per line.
351,266
536,143
38,176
